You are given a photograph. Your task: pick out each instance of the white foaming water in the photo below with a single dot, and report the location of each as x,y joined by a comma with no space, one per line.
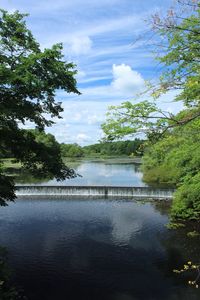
105,191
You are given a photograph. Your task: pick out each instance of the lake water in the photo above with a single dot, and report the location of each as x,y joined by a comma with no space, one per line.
118,172
96,250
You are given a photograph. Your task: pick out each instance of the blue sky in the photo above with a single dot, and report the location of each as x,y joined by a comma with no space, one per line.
98,35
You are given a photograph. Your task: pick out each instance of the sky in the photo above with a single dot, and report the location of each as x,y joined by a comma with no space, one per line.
106,40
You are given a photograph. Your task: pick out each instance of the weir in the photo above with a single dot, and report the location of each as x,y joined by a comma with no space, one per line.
93,191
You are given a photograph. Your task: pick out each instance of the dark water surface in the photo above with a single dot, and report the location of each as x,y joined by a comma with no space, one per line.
96,250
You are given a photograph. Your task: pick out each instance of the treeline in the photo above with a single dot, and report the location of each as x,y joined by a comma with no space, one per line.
40,137
134,147
119,148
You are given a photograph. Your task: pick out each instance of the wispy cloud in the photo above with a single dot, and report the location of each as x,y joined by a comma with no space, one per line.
98,36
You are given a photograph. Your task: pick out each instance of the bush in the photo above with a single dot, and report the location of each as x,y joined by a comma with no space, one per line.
186,203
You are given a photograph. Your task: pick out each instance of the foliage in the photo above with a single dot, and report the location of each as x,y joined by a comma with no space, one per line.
172,152
144,117
71,150
175,159
29,78
193,234
118,148
187,199
179,53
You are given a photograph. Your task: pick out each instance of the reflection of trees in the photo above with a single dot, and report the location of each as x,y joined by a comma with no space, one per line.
189,247
73,162
162,206
85,168
137,168
180,249
21,176
7,291
159,184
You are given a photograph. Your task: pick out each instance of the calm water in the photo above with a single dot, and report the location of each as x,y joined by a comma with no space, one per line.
108,172
95,250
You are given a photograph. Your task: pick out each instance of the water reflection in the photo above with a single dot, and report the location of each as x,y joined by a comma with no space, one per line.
96,173
94,249
7,289
20,176
106,174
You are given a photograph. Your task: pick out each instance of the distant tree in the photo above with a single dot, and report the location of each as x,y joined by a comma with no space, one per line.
115,148
29,78
71,150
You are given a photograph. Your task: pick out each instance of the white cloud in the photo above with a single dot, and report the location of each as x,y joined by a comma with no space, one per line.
82,138
98,37
80,75
125,79
125,82
76,116
94,119
79,45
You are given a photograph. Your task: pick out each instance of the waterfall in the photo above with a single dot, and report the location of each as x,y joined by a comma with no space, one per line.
100,191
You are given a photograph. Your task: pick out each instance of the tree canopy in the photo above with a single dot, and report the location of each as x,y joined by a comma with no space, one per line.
172,151
71,150
117,148
178,37
29,79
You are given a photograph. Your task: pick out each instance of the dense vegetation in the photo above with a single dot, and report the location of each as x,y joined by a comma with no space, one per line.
71,150
173,149
29,78
175,159
118,148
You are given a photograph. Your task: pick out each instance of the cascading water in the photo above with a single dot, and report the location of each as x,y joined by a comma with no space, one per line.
104,191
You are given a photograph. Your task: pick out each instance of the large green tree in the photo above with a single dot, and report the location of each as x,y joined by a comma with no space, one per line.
29,79
178,51
172,153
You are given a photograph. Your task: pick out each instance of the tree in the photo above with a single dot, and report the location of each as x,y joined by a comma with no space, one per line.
172,151
29,78
179,53
175,159
115,148
71,150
